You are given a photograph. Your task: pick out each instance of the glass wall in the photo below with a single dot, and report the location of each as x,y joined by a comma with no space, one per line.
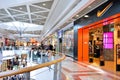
68,42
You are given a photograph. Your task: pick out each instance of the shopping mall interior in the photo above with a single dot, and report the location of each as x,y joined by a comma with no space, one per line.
59,39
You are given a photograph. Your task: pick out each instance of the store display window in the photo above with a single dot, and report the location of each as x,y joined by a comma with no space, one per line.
68,41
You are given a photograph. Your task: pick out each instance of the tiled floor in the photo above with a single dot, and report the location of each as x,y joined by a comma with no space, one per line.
81,71
96,62
73,70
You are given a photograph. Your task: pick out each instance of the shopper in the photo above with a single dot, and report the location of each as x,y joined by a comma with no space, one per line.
42,46
50,47
38,55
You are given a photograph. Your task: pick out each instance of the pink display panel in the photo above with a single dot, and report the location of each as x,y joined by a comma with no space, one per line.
108,46
108,40
108,34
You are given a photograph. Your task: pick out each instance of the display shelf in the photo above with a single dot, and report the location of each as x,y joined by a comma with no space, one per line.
118,57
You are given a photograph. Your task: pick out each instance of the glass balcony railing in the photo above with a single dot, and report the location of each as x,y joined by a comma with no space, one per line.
29,65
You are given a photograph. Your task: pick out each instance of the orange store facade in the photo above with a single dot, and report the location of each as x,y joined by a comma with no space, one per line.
84,36
98,37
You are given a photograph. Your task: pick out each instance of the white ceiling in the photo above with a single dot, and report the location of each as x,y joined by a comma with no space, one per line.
21,26
35,13
47,15
16,14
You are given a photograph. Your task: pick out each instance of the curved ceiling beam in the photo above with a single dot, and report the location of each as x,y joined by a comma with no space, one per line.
58,13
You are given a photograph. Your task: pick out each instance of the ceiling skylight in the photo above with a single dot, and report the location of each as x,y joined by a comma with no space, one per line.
21,26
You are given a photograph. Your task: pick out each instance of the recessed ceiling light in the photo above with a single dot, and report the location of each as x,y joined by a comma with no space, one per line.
43,4
89,6
86,16
20,8
77,15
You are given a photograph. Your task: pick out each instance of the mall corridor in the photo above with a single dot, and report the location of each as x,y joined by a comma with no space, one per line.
80,71
59,39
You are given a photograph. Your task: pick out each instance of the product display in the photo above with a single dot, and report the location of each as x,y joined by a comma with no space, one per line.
118,57
95,41
118,53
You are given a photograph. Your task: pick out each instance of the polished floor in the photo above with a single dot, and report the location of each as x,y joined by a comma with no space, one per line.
73,70
82,71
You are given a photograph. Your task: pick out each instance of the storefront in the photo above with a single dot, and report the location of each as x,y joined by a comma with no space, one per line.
54,41
2,41
99,40
99,37
68,41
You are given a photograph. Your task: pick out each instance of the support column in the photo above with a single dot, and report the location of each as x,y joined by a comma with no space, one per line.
59,71
55,72
27,75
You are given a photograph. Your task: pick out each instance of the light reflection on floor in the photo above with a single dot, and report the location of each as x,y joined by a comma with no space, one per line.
82,71
74,71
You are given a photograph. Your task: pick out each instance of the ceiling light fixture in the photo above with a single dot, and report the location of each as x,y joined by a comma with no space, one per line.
43,4
89,6
86,16
20,8
77,15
